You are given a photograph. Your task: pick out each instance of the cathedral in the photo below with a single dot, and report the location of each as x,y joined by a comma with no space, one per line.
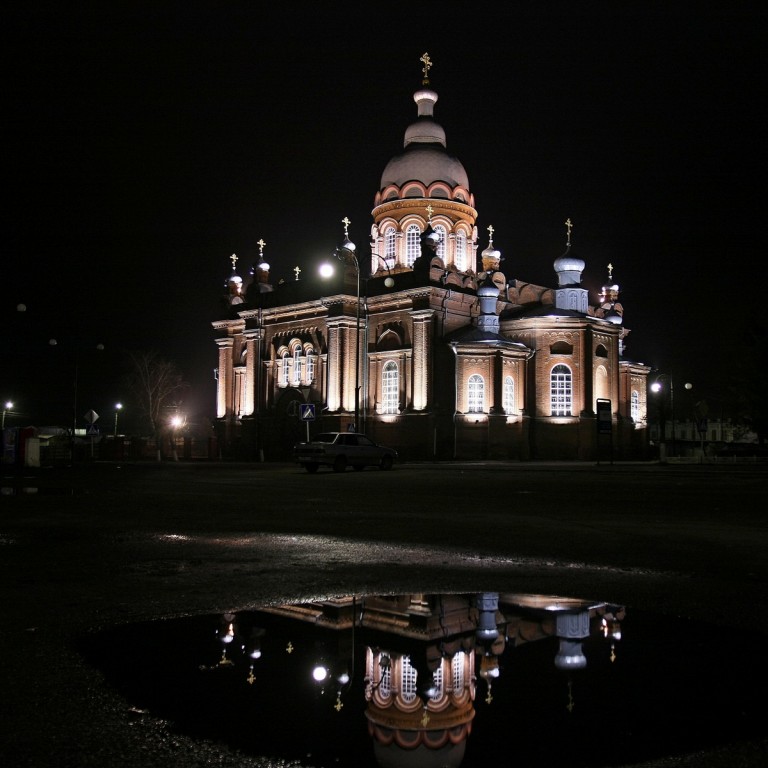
424,344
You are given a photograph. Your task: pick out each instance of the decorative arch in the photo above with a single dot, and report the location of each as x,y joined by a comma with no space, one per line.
561,348
601,351
388,340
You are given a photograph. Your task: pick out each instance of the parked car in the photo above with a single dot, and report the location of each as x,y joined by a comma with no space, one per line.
340,450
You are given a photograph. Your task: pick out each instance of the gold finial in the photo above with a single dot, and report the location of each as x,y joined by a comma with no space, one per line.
296,271
261,245
338,705
346,222
430,211
610,272
427,62
569,227
289,647
425,718
233,259
490,236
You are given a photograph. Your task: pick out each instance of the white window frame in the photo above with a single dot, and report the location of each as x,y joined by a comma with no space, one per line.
476,394
297,365
311,361
390,388
412,244
508,395
390,245
284,365
442,242
561,390
460,260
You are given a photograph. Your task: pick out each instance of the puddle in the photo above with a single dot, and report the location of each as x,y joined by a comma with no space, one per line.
443,680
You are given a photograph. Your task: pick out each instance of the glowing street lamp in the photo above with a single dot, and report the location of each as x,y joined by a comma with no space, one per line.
6,407
347,254
656,386
118,408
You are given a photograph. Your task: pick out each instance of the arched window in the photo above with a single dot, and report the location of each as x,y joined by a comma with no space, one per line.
476,394
284,365
297,365
509,395
561,393
389,245
457,671
390,388
412,244
407,679
311,360
634,406
461,251
440,230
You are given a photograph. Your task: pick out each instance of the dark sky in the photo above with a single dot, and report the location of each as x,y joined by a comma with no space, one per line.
144,144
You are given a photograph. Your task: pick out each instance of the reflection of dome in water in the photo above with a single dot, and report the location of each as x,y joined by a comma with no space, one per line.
422,757
402,739
441,748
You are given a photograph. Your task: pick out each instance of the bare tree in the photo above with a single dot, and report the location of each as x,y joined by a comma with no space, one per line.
155,384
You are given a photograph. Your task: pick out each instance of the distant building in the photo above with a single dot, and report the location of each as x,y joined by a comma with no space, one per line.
454,360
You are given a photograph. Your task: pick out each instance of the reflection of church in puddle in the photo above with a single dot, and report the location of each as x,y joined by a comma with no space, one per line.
425,656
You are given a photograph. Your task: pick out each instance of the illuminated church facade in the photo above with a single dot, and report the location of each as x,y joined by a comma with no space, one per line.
424,344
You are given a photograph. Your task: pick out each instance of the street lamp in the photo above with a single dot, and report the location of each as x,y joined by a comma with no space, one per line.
177,421
347,255
6,407
656,387
118,407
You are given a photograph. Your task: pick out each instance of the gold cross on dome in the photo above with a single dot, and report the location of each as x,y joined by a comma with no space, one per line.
427,62
296,271
430,211
610,272
569,227
261,245
490,234
346,222
233,259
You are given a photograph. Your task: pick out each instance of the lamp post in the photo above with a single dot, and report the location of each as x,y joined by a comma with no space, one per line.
656,387
118,407
347,254
177,421
6,407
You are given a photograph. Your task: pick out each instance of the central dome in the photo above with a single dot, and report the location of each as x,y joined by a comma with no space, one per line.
426,163
425,158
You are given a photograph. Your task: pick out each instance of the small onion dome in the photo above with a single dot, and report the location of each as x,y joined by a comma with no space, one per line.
612,316
348,245
488,287
570,655
491,257
432,238
569,268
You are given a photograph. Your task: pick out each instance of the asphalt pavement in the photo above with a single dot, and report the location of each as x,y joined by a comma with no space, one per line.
93,546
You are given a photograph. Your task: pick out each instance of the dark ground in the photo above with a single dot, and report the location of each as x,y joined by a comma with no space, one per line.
106,544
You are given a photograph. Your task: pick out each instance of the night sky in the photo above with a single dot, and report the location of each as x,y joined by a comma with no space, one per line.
143,145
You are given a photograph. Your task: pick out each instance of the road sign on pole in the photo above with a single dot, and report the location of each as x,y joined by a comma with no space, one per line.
307,411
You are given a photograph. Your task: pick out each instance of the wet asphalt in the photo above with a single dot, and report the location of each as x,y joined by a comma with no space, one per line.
92,546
